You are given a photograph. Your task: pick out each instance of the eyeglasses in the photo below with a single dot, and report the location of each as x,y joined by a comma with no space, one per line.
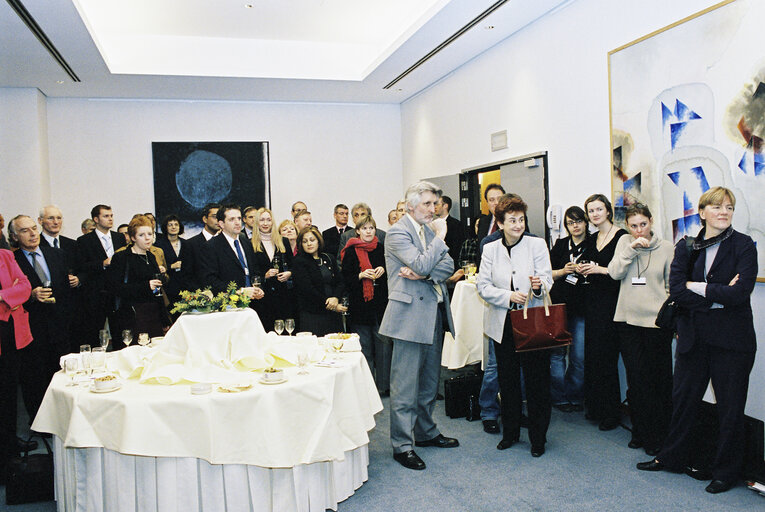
574,222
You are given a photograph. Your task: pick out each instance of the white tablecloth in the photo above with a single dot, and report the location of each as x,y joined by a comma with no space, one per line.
467,312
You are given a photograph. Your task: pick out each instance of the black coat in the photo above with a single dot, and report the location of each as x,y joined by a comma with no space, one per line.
279,300
331,238
732,326
309,285
455,236
179,279
361,312
92,272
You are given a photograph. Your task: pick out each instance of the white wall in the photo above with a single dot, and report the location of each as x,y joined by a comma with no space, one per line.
548,86
24,179
323,154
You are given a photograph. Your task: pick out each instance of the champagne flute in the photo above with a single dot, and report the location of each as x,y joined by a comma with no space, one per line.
337,344
289,325
143,339
71,367
279,326
104,337
85,353
302,360
584,262
127,337
345,303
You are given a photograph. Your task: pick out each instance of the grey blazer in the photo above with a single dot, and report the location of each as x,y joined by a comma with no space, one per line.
412,305
500,274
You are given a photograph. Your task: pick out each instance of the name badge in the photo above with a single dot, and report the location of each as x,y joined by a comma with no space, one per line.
247,271
572,279
638,281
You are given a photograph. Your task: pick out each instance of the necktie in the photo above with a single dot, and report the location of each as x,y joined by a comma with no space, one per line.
240,255
436,286
55,243
38,268
494,227
108,246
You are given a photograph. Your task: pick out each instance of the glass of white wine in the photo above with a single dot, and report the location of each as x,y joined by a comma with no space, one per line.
289,325
279,326
143,339
71,367
127,337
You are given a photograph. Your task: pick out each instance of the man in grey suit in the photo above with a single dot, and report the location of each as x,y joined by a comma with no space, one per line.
418,264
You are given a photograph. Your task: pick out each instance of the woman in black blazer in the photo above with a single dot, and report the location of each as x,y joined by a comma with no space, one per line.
275,261
712,284
176,250
318,285
364,274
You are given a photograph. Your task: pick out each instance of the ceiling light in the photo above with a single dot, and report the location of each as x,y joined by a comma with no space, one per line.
59,81
489,27
248,6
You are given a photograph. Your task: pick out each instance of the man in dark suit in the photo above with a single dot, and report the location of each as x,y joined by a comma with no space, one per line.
48,308
249,218
227,258
455,235
332,235
487,223
95,251
193,264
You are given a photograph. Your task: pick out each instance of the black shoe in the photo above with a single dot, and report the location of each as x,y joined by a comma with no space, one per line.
651,465
439,396
24,445
537,451
698,474
716,486
506,443
385,394
608,424
409,460
439,442
636,443
575,407
491,426
563,407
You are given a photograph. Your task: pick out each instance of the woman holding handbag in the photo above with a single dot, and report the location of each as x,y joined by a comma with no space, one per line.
641,263
511,268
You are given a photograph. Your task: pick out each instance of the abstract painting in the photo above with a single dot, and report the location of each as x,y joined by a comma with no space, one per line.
189,175
687,107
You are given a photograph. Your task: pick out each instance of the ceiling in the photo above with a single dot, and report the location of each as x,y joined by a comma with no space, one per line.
259,50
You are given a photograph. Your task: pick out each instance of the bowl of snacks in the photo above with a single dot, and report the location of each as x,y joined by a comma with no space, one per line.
106,382
273,374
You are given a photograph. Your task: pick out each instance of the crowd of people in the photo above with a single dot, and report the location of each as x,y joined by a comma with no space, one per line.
392,288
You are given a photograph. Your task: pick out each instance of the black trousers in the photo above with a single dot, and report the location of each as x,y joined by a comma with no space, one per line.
729,372
9,380
536,377
647,354
601,369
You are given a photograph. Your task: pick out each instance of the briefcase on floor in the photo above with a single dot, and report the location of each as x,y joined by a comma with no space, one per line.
30,478
457,393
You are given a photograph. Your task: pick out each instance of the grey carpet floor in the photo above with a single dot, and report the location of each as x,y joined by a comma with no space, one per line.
583,469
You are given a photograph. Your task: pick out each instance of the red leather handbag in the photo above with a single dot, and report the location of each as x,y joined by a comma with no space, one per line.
540,327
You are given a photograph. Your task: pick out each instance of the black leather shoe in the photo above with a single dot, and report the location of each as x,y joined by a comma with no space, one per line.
409,460
491,426
698,474
24,445
575,407
537,451
608,424
651,465
651,451
563,407
439,442
506,443
636,443
716,486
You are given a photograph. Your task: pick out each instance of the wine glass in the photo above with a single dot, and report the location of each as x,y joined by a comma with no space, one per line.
104,337
143,339
98,359
302,360
85,353
344,302
276,262
255,281
584,262
71,367
127,337
47,284
289,325
337,344
158,289
279,326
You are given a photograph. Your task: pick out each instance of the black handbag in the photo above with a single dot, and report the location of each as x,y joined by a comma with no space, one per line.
30,478
667,316
457,396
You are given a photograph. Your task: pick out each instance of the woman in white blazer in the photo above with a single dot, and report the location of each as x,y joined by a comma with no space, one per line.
512,267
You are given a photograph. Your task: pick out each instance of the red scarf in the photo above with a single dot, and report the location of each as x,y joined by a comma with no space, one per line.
362,253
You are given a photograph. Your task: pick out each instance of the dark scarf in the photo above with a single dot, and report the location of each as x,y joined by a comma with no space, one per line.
362,253
701,243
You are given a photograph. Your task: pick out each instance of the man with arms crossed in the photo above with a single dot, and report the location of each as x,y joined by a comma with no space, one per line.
418,263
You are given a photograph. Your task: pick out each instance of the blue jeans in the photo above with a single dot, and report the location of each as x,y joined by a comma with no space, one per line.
487,398
566,384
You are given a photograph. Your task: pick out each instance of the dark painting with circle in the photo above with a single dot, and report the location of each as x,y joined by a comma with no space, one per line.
189,175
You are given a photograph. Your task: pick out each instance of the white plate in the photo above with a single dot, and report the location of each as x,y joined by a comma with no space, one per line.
107,390
269,382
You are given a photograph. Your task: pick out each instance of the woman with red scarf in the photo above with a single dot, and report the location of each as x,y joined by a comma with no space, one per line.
367,285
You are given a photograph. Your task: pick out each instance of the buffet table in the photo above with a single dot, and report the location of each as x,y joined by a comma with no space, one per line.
467,346
297,445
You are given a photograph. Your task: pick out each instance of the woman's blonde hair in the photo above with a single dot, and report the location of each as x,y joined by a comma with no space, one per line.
716,195
276,238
